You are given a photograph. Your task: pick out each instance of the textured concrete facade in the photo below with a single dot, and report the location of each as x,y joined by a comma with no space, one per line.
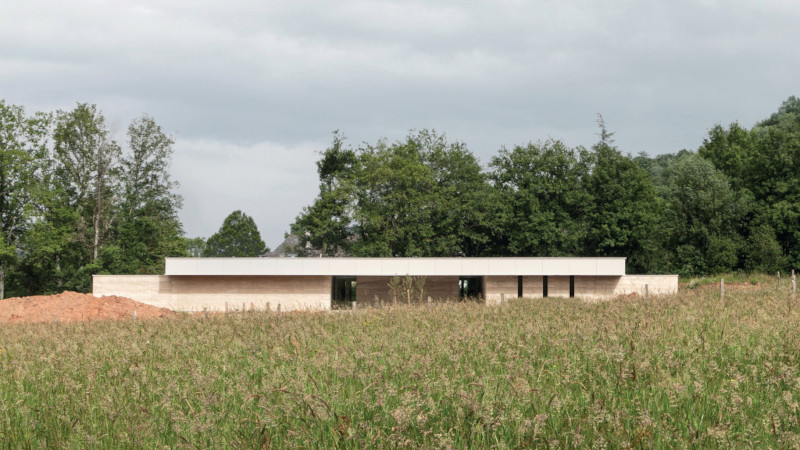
532,286
497,288
375,290
218,293
229,290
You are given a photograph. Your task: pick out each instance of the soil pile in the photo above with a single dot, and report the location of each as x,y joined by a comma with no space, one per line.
72,306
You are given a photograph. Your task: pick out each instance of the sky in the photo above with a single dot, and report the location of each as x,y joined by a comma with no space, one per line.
252,90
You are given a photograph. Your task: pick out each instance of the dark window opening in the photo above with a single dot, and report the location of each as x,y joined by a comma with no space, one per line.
571,286
544,286
469,287
519,286
344,291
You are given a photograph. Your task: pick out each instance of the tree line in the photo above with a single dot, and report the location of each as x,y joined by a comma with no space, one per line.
734,204
75,202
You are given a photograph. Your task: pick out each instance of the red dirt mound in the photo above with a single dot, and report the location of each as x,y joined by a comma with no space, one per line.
74,306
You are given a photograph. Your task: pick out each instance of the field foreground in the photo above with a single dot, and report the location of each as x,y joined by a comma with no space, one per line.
689,370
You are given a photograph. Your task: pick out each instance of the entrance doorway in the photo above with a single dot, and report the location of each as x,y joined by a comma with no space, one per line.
470,287
344,292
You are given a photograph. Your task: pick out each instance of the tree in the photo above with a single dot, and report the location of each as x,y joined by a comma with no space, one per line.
86,173
542,188
765,161
422,196
147,228
703,218
327,225
195,247
238,236
625,209
21,150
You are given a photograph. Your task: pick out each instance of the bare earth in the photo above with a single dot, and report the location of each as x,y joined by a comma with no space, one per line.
74,306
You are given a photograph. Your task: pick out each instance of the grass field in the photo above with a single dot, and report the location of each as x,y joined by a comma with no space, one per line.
688,370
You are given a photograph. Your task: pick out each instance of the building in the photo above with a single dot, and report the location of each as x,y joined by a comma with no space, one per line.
193,284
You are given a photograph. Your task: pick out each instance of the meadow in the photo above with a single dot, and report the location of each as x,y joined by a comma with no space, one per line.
688,370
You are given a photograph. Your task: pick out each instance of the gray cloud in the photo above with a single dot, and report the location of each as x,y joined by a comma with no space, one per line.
252,89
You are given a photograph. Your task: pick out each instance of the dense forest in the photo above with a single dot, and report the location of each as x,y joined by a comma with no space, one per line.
734,204
75,202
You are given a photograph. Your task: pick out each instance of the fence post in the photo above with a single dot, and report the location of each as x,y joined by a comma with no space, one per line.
269,309
646,291
502,298
429,300
722,288
134,315
226,306
353,305
279,308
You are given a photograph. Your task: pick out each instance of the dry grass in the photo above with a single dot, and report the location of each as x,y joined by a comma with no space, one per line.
681,371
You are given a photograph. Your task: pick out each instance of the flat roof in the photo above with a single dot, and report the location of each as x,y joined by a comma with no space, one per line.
603,266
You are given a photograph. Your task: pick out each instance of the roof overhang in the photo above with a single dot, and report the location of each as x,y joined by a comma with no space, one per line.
599,266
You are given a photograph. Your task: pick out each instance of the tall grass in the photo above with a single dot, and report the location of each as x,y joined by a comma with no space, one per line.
678,371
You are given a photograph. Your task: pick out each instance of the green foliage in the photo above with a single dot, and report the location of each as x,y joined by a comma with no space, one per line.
79,205
238,236
195,246
703,217
420,197
623,216
681,371
147,229
541,188
22,145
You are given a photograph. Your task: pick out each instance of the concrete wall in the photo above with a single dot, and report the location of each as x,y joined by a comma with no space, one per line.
532,286
368,288
153,290
195,293
213,292
656,284
558,286
494,288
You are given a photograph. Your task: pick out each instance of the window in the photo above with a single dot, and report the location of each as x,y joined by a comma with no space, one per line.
571,286
344,291
469,287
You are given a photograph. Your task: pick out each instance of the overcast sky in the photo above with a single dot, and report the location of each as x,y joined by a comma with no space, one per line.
251,90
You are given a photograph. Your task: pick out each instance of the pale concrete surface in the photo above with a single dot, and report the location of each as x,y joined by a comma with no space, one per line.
296,292
215,293
496,288
532,286
153,290
499,266
370,288
558,286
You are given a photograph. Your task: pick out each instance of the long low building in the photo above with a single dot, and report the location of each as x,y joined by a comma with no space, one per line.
194,284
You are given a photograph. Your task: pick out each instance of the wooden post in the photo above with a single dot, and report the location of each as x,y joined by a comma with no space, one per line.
722,288
226,306
502,298
646,291
429,300
243,308
279,308
134,315
353,305
268,307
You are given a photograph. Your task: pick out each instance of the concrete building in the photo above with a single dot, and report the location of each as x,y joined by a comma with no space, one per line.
193,284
